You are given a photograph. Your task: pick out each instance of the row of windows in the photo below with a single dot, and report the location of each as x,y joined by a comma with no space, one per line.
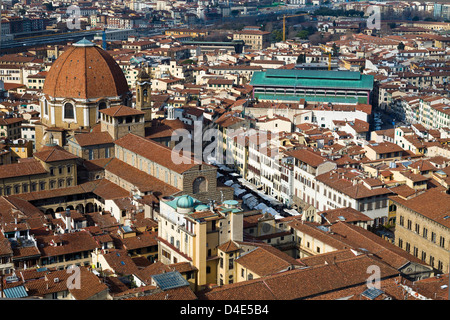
60,170
159,172
422,231
423,256
41,186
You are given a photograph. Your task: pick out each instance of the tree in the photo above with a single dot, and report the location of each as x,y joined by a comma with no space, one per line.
277,35
301,58
303,34
401,46
335,50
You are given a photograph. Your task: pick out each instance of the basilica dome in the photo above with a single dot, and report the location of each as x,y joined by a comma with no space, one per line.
85,71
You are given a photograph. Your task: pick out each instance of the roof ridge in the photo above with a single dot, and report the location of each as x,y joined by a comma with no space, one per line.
51,152
370,239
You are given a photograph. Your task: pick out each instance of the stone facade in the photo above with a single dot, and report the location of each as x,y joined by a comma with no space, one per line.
422,237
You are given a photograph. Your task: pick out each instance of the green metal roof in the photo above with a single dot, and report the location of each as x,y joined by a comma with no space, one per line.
313,74
281,97
312,79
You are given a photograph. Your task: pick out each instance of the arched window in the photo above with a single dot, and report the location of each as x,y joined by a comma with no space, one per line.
144,92
69,112
200,185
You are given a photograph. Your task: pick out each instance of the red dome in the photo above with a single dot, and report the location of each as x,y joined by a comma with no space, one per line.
85,71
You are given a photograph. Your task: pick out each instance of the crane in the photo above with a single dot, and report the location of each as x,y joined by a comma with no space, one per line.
329,61
284,22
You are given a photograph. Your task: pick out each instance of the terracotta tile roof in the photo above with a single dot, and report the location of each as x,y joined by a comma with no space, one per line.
357,237
15,203
181,293
93,138
52,281
120,262
156,152
229,246
252,32
252,220
85,73
357,191
109,190
68,243
8,121
423,165
385,147
307,156
141,180
165,128
228,119
142,240
141,262
329,257
390,289
105,221
116,287
155,268
27,168
54,153
302,283
5,247
121,111
246,290
183,267
90,285
403,191
432,204
348,213
25,252
359,125
312,230
435,288
48,285
96,164
264,261
414,177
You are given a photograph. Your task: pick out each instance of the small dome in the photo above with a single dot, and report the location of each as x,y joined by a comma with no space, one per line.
185,202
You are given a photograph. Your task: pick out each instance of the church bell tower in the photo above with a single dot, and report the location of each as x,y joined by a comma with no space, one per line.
143,93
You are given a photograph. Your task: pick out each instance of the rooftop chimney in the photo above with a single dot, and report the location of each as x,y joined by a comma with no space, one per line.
68,220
